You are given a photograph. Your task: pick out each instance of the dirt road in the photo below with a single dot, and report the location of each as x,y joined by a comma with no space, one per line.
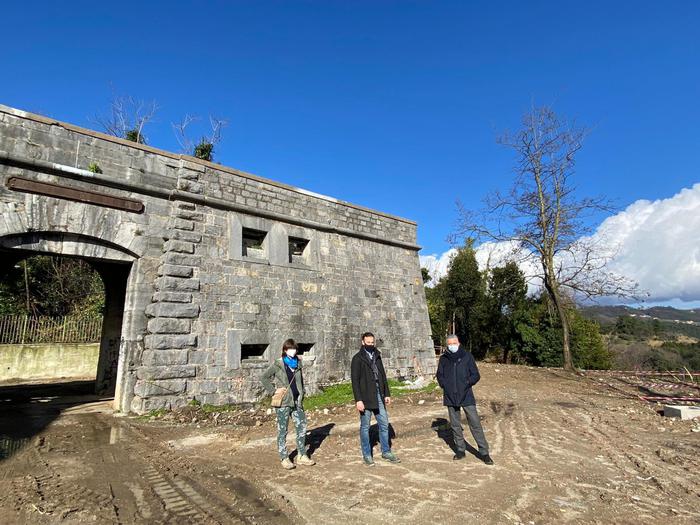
567,450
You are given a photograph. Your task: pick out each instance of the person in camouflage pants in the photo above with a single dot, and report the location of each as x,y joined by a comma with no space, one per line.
299,418
287,372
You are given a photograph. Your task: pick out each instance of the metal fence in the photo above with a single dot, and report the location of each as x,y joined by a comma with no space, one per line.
22,329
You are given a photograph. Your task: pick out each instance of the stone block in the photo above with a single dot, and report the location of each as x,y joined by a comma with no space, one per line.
164,357
200,357
681,411
183,235
190,214
178,246
176,284
191,166
172,297
188,175
165,372
163,387
213,399
183,259
164,325
175,271
167,342
182,224
176,310
190,186
208,386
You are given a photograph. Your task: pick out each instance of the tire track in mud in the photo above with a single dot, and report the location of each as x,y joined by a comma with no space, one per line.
602,435
50,487
229,500
175,502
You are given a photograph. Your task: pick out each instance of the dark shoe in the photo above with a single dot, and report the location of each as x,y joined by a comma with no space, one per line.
458,456
486,459
368,461
391,457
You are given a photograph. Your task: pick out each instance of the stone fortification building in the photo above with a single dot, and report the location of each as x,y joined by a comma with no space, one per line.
207,269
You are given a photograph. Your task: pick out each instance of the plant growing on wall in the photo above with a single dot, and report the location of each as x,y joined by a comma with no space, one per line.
204,148
127,118
94,167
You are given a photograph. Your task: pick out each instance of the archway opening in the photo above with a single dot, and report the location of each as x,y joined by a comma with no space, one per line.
60,331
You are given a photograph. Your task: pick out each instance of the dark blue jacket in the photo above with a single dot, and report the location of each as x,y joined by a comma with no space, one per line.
457,374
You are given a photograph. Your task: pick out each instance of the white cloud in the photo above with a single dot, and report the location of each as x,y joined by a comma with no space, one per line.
657,244
437,265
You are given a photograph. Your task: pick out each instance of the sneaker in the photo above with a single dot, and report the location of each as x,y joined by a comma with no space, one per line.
368,461
390,457
458,456
305,460
486,459
287,464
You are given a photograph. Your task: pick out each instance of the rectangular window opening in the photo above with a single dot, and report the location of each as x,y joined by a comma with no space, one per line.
253,352
304,348
253,243
297,247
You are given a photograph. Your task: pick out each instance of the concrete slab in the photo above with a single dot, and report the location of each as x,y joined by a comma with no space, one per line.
681,411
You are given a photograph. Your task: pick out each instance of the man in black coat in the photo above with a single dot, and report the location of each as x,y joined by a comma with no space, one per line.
371,390
457,374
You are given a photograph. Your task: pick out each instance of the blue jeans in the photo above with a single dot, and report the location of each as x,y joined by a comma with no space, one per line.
382,423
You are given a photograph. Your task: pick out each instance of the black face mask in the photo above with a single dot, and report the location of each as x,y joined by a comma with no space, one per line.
369,348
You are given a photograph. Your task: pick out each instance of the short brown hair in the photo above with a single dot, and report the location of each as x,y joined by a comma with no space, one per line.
367,334
289,343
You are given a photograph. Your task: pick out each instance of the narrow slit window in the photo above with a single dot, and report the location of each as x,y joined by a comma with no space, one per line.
253,243
304,348
253,352
297,248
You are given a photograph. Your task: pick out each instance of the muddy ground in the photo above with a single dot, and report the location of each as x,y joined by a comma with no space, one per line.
567,450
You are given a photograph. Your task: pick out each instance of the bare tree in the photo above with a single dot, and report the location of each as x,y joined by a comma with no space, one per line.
542,218
204,148
127,118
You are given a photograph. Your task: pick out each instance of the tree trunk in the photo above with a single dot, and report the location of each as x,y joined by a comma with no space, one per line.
550,285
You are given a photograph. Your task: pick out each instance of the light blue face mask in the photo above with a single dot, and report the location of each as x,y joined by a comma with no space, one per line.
453,348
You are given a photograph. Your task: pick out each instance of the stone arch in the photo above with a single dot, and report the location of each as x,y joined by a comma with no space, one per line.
116,266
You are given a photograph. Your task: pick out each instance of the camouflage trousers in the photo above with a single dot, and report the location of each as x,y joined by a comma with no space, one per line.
299,418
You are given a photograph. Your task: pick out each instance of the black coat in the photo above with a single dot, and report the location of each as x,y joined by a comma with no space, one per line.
457,374
363,386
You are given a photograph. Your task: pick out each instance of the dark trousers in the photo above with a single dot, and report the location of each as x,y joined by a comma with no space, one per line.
474,426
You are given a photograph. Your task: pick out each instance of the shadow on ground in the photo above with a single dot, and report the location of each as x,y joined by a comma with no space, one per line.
27,409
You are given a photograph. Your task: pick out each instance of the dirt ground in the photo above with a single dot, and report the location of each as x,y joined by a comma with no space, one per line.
566,450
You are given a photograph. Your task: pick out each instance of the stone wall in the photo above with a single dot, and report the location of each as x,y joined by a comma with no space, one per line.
223,265
48,361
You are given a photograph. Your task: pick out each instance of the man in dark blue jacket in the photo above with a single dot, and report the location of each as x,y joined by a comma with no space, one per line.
457,374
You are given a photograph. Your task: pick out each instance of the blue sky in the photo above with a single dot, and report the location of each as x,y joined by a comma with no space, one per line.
391,105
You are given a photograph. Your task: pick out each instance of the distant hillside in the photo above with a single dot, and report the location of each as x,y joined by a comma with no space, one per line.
608,314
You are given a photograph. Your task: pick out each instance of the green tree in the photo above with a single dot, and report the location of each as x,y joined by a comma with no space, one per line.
542,214
52,286
465,294
542,339
435,297
507,301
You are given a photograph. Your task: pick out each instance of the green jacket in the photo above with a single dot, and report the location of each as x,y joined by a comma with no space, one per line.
275,376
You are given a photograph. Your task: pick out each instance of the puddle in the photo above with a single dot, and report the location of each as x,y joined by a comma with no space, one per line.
10,445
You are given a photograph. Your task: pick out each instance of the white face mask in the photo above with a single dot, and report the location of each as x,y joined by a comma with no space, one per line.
291,352
453,348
